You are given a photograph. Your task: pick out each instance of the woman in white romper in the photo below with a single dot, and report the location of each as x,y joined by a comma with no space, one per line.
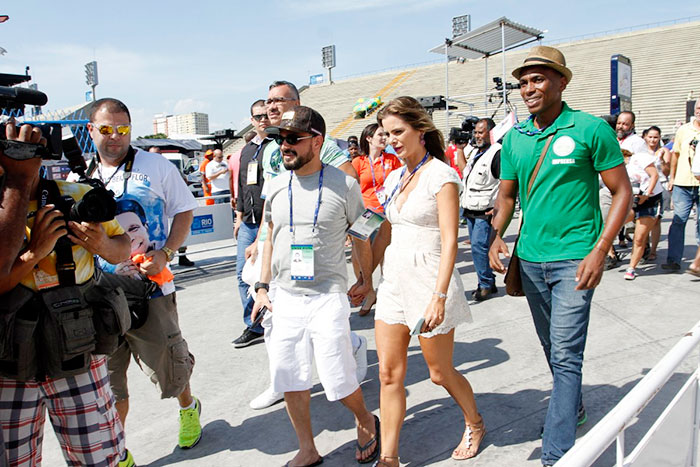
420,280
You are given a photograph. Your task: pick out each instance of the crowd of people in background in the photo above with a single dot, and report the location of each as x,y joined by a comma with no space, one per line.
393,200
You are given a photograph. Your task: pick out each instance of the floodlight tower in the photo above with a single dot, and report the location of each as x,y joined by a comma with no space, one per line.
328,60
461,25
91,77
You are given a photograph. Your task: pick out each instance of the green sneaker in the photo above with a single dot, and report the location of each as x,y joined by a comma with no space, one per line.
190,429
129,461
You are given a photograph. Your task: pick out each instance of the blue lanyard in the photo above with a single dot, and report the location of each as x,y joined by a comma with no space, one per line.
371,167
257,151
291,204
521,130
408,180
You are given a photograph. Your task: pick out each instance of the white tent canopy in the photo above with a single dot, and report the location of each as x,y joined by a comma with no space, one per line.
498,36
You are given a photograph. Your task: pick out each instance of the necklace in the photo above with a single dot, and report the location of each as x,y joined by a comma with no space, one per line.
520,127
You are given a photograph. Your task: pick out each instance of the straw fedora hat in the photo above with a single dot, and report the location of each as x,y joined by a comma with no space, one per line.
545,56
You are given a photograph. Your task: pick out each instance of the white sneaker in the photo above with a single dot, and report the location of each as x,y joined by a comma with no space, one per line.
266,399
360,355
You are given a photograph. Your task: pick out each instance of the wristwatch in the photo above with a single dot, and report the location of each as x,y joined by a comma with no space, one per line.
261,285
169,253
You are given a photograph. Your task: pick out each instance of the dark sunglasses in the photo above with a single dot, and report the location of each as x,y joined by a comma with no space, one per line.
260,117
290,139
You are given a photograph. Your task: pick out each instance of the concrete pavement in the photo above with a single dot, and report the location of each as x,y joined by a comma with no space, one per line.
633,324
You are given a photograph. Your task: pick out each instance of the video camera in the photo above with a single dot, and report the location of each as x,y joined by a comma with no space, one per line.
464,133
509,86
14,99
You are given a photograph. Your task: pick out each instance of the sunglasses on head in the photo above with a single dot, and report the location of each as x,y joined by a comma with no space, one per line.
261,117
291,139
109,129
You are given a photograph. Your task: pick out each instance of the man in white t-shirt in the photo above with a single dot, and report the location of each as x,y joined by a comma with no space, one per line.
217,172
149,190
626,136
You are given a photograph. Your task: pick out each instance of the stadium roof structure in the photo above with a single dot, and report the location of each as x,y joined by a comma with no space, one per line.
493,38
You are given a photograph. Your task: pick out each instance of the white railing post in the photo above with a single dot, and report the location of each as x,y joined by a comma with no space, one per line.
620,449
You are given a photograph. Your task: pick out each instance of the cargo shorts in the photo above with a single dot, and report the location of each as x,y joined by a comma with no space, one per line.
158,348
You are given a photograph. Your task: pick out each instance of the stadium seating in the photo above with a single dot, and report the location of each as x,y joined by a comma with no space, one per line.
664,73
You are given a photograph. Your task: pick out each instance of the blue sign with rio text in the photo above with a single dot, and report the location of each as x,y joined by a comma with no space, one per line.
202,224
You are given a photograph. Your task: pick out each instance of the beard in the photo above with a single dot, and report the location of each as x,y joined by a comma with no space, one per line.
298,162
621,134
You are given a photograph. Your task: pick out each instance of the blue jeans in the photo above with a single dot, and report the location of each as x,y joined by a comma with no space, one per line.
560,314
479,233
683,199
222,200
246,236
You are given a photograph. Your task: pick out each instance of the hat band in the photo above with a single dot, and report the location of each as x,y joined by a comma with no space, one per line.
540,59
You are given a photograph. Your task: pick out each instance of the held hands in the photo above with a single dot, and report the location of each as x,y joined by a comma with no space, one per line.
261,300
359,291
498,247
590,270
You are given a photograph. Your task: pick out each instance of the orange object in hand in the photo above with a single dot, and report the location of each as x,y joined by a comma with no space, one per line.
162,277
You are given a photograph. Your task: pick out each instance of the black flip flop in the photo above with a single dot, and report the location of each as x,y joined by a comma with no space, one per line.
375,438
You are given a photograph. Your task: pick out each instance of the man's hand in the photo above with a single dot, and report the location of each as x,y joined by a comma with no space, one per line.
498,247
155,262
669,186
251,251
234,202
261,300
236,228
89,235
359,291
590,270
48,227
25,169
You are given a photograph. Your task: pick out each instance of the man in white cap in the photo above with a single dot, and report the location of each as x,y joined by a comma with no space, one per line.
553,160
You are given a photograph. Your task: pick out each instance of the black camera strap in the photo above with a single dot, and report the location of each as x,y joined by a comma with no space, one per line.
127,162
65,264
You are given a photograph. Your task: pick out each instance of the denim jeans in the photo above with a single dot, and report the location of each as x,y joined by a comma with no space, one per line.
225,200
683,199
479,233
560,314
246,236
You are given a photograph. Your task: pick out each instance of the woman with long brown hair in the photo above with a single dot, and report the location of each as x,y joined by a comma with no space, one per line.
421,292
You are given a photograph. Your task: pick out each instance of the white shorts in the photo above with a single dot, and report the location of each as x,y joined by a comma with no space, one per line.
304,327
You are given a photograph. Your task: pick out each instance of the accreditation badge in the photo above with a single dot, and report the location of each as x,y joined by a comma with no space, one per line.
252,174
302,258
381,194
365,225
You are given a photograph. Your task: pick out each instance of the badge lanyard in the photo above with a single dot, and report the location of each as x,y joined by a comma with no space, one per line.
291,203
252,172
408,180
371,167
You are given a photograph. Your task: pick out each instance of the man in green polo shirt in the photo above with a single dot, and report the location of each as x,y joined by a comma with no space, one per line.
563,240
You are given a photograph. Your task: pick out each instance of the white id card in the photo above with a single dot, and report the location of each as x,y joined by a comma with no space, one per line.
252,174
302,267
381,194
366,224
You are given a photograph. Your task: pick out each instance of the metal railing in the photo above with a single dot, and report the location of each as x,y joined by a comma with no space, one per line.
612,427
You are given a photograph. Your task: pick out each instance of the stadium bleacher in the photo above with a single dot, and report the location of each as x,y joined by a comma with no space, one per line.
664,74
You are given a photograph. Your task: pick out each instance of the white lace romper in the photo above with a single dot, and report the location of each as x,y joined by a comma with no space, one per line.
412,259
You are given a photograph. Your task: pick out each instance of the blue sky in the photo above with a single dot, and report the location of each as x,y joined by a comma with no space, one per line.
218,57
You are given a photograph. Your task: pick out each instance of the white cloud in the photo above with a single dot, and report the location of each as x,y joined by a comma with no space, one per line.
340,6
189,104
